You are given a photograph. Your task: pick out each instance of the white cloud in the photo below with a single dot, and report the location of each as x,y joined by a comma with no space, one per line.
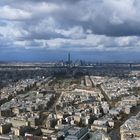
127,41
76,32
44,7
10,13
82,24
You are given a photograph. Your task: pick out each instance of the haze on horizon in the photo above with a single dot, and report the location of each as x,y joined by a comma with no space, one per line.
100,30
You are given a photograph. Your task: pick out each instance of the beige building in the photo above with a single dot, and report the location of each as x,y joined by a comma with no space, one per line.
5,128
131,128
99,127
20,131
17,122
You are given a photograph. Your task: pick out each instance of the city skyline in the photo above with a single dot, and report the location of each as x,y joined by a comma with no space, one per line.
46,30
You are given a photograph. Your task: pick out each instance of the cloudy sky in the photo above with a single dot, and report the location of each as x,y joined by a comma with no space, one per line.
89,29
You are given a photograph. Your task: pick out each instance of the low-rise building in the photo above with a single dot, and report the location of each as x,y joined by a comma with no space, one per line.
131,128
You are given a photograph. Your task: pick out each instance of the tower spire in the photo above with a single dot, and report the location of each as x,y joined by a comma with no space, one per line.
69,59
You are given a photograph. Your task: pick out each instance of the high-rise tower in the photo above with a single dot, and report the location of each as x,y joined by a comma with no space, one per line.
69,59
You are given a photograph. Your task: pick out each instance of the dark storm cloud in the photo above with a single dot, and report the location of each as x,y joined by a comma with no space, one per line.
41,36
103,17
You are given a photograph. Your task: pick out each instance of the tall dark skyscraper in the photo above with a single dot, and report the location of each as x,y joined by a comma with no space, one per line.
69,59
